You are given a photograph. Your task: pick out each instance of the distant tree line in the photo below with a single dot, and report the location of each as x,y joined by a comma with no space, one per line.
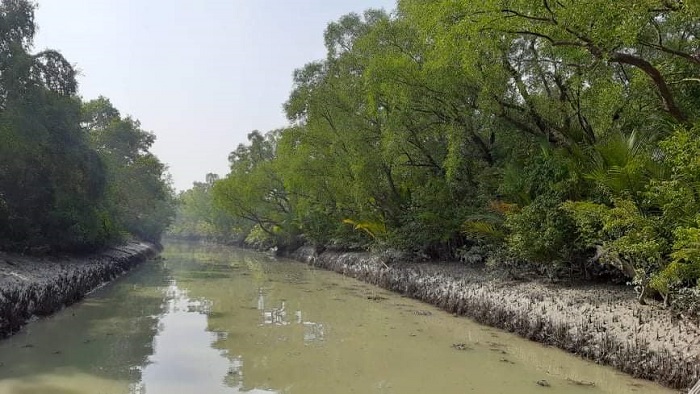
74,175
560,133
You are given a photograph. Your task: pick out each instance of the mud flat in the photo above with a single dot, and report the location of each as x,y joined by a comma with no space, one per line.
31,286
602,323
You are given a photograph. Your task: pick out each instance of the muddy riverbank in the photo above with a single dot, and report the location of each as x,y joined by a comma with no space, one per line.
601,323
31,286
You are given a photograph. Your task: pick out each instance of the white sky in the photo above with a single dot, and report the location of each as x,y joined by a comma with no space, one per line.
200,74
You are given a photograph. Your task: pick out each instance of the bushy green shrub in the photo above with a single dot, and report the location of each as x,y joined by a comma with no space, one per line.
684,268
621,234
259,238
677,198
541,232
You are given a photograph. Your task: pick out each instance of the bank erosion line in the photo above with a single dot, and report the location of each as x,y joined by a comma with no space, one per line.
32,286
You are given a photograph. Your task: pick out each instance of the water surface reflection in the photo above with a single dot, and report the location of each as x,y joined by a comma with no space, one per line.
96,346
221,320
313,332
184,360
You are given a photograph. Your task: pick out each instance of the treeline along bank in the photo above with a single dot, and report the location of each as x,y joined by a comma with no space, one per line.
560,134
74,176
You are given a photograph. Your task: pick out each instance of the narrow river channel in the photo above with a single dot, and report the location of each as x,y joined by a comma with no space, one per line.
220,320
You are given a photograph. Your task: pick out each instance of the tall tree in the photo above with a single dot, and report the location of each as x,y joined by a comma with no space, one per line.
254,190
139,195
50,179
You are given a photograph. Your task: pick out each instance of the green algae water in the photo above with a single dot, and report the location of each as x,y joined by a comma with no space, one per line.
219,320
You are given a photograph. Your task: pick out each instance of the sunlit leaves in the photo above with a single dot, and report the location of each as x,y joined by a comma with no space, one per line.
416,121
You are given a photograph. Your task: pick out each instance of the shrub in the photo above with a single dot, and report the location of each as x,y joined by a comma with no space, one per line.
541,232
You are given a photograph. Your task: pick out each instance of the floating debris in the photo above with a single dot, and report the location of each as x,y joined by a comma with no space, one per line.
422,313
461,346
580,382
543,383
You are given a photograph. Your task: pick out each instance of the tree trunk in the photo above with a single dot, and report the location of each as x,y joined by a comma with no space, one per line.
643,295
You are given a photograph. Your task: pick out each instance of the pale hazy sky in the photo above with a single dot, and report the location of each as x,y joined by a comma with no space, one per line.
200,74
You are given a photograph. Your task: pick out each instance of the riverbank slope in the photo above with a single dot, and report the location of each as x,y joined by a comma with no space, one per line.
32,286
602,323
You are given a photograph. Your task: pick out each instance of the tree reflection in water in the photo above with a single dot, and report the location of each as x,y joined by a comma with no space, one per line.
184,359
313,332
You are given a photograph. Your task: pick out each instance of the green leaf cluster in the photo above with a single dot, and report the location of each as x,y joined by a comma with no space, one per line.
561,133
73,176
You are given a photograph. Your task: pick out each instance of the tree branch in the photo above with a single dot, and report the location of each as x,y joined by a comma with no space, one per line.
521,15
693,59
657,78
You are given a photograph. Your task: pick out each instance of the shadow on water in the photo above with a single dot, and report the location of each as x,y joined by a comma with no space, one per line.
141,333
292,328
105,335
186,358
211,319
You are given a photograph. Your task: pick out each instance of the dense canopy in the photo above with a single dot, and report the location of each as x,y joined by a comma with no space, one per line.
560,133
74,176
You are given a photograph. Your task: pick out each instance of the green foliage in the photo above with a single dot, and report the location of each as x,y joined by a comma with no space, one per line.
634,236
375,230
629,240
684,268
542,171
255,192
621,166
678,193
654,237
544,131
678,200
199,218
58,182
541,231
483,231
489,227
686,247
50,179
138,197
590,221
260,238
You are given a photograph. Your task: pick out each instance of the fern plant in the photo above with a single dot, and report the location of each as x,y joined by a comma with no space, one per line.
376,230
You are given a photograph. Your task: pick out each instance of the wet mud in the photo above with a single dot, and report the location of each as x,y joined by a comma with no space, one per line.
34,287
